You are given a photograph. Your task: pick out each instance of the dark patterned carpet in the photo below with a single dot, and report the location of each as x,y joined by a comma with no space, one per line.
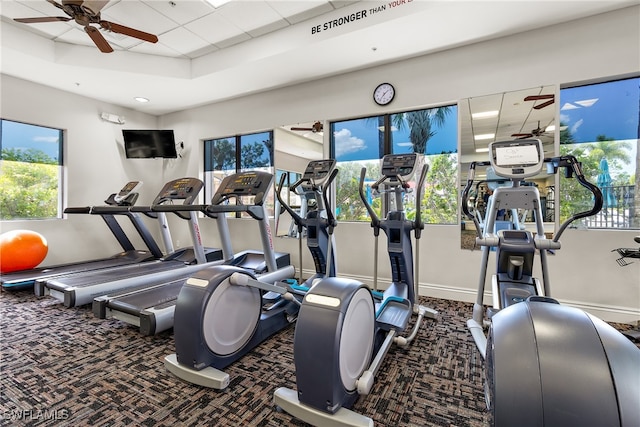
65,364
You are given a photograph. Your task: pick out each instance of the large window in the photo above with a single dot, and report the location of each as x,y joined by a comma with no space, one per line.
600,126
225,156
30,171
362,142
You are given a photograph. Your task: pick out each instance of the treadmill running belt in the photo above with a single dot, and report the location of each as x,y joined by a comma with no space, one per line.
138,301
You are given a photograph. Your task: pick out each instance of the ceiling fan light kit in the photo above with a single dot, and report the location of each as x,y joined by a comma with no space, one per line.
84,15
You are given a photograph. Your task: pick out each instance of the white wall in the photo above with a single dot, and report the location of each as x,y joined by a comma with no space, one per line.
584,273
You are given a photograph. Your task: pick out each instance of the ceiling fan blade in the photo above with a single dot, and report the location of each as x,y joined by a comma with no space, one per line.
544,104
98,39
302,129
121,29
538,97
43,19
522,135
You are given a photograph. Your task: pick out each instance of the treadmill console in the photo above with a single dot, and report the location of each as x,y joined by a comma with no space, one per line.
185,189
317,173
251,183
126,191
517,159
399,165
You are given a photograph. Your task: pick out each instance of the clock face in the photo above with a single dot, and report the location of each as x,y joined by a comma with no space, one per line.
384,93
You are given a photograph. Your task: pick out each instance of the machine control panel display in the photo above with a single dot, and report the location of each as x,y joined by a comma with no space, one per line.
252,183
126,190
186,189
318,171
517,159
402,165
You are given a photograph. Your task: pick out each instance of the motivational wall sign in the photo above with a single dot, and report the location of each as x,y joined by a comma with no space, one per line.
356,16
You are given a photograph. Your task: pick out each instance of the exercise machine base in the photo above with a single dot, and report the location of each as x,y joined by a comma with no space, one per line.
287,400
207,377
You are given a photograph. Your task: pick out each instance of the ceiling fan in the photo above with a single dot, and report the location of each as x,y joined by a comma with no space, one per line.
549,100
315,128
86,13
534,132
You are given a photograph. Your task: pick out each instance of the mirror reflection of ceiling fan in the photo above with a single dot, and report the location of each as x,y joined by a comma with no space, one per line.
549,99
316,127
86,12
534,132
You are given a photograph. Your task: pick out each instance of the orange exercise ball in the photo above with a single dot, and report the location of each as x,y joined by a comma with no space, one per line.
21,250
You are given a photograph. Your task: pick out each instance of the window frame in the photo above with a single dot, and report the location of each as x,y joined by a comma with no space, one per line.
237,141
56,155
587,151
386,144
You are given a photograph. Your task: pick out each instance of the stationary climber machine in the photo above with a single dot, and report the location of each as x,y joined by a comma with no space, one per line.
546,364
224,312
343,330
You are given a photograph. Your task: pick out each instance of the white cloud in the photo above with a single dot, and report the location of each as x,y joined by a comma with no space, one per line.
346,144
576,125
46,139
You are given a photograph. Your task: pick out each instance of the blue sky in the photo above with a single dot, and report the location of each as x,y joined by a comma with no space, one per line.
609,109
24,136
358,139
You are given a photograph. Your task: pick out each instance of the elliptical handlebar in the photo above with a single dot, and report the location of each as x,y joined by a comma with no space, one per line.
375,221
296,218
573,168
465,194
331,218
418,223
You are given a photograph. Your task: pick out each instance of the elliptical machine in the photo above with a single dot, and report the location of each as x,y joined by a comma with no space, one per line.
343,332
223,312
546,364
320,222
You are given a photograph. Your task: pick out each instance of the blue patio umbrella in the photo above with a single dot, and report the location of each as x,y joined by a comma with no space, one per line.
604,182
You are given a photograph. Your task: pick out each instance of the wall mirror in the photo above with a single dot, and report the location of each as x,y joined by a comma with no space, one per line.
527,113
295,146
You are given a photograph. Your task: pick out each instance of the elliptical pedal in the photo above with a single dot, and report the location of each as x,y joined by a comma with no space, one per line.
394,313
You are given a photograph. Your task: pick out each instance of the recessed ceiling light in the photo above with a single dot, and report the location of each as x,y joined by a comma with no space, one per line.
484,136
482,150
485,115
217,3
141,99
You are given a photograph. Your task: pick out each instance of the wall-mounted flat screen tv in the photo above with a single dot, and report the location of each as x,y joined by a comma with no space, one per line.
148,144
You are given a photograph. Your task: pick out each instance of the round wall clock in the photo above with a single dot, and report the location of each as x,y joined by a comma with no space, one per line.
384,93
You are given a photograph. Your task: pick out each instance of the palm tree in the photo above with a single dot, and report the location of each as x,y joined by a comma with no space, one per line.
421,124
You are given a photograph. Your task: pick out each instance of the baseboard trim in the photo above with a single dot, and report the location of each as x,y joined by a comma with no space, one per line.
608,313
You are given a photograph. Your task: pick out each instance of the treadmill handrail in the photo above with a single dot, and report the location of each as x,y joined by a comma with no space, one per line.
111,209
256,211
78,210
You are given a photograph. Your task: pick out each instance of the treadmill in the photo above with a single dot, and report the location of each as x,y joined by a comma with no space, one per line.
152,308
79,289
125,198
